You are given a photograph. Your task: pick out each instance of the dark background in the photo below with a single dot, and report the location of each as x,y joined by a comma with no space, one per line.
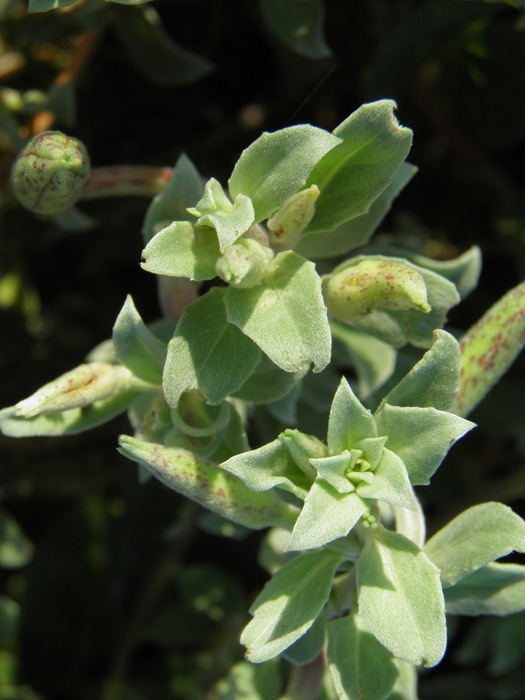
116,603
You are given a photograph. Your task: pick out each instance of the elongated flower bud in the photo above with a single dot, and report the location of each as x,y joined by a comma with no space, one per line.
489,348
244,263
49,174
288,222
205,483
81,386
358,289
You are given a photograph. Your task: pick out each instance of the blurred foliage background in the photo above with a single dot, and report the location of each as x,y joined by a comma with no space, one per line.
111,589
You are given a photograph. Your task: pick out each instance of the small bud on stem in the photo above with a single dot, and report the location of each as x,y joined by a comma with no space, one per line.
289,222
244,263
49,174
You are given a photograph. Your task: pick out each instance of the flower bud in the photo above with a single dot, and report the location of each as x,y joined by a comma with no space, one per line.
80,387
288,222
49,174
244,263
204,482
374,283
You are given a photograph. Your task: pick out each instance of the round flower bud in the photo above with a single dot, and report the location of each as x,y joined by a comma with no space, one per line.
244,263
373,283
49,174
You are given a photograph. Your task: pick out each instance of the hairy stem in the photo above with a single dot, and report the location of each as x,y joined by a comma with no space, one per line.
125,180
305,681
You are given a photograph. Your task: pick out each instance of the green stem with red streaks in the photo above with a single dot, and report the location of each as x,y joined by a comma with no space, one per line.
126,181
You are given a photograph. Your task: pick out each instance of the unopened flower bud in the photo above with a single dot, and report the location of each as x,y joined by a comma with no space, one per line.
80,387
288,222
244,263
374,283
204,482
49,174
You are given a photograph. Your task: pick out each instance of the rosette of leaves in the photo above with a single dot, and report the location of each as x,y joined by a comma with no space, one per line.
368,457
364,573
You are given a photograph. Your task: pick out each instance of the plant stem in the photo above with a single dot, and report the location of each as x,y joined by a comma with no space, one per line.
125,180
305,681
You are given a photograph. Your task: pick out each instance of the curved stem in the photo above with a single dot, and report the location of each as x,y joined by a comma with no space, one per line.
126,180
305,681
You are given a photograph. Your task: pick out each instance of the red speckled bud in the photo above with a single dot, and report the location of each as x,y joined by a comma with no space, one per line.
356,290
49,174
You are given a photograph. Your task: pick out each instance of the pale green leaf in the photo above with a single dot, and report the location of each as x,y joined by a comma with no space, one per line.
390,484
267,467
207,353
354,173
474,538
349,420
495,589
289,603
303,448
405,687
309,646
183,190
373,360
325,516
360,666
411,523
180,250
230,220
334,468
357,231
285,314
268,383
298,24
135,345
434,380
400,598
276,165
420,436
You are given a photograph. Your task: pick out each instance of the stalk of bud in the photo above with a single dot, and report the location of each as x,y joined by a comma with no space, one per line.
49,174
